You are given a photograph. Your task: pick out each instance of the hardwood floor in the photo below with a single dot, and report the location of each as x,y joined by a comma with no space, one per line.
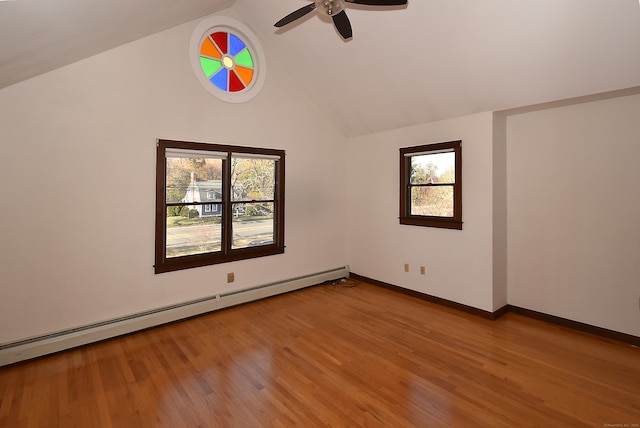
333,356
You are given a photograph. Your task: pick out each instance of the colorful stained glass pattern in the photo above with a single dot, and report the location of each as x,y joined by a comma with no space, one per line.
227,62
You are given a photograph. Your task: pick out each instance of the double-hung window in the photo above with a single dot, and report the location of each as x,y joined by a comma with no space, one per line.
431,185
217,203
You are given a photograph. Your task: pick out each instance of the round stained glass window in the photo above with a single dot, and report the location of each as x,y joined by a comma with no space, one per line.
227,59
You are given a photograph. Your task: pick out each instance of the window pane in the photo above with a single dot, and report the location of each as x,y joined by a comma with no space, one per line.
252,179
253,224
189,233
432,201
436,168
193,180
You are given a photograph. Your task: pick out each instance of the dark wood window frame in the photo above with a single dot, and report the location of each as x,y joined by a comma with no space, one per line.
227,253
406,217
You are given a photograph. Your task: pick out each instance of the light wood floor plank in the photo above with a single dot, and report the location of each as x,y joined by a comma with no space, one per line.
332,356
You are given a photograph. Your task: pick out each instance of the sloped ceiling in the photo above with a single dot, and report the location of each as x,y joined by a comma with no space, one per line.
431,60
37,36
438,59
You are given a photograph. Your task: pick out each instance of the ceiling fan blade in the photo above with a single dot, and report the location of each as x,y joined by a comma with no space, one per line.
379,2
341,21
295,15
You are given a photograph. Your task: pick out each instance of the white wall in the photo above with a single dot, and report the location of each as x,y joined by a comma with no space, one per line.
77,173
573,212
459,263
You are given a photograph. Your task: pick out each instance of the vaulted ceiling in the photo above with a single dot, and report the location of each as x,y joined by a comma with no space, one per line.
431,60
37,36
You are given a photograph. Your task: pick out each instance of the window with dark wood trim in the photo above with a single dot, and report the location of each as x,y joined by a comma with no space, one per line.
217,203
431,185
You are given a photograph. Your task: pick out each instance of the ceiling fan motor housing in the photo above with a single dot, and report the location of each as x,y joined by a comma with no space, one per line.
330,7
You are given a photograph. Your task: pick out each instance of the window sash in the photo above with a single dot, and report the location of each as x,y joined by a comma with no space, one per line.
193,154
255,156
426,153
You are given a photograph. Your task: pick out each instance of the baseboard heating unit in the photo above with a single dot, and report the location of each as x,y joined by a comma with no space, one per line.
34,347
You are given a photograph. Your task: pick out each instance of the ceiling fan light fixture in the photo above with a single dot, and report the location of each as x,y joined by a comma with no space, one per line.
329,7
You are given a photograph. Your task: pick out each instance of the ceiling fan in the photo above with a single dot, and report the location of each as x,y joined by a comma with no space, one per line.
335,10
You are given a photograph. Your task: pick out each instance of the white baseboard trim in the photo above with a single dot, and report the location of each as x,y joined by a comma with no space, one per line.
23,350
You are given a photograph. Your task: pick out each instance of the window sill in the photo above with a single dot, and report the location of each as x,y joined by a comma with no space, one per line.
442,223
200,260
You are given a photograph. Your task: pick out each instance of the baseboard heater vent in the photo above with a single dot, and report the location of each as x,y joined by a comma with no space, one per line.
23,350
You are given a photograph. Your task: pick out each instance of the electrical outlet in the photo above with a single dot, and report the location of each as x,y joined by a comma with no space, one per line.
406,267
231,277
423,270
